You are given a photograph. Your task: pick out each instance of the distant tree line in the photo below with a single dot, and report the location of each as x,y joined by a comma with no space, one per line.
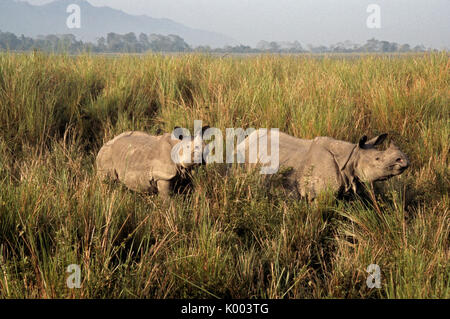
113,43
129,43
372,45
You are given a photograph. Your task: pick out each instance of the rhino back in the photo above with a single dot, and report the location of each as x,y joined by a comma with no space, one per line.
137,159
291,149
145,154
104,159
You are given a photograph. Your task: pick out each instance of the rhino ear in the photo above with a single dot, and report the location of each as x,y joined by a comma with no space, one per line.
178,133
377,140
204,128
362,142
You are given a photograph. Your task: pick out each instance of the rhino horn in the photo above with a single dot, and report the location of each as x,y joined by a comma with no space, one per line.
393,146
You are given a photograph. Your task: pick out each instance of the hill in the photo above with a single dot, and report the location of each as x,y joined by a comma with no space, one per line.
23,18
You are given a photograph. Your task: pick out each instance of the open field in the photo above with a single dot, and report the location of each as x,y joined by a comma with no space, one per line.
230,236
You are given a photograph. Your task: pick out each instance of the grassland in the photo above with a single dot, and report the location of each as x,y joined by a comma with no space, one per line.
231,235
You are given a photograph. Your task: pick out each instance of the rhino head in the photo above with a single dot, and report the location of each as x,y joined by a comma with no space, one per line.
187,151
371,165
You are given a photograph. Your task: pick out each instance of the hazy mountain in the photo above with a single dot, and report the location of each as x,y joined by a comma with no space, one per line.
23,18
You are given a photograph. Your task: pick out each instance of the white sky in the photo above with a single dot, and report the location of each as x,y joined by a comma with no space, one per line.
308,21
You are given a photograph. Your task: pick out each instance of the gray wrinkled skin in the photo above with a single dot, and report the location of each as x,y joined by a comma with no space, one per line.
143,162
327,164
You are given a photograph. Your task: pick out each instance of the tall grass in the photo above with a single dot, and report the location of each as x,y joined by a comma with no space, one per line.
230,235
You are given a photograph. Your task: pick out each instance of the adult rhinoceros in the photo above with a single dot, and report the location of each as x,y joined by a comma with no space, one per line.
325,163
145,163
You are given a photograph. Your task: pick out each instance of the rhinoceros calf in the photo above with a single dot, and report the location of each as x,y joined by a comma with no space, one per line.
325,163
144,163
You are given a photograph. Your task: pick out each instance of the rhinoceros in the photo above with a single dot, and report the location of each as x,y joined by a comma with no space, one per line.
145,163
325,163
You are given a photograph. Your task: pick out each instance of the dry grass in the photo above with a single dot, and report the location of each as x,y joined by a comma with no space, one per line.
231,235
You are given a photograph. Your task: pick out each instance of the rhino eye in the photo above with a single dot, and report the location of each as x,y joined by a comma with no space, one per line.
377,158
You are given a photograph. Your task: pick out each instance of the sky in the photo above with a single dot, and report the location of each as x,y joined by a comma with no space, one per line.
314,22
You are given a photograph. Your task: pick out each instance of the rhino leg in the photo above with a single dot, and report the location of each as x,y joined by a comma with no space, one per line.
163,188
319,173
